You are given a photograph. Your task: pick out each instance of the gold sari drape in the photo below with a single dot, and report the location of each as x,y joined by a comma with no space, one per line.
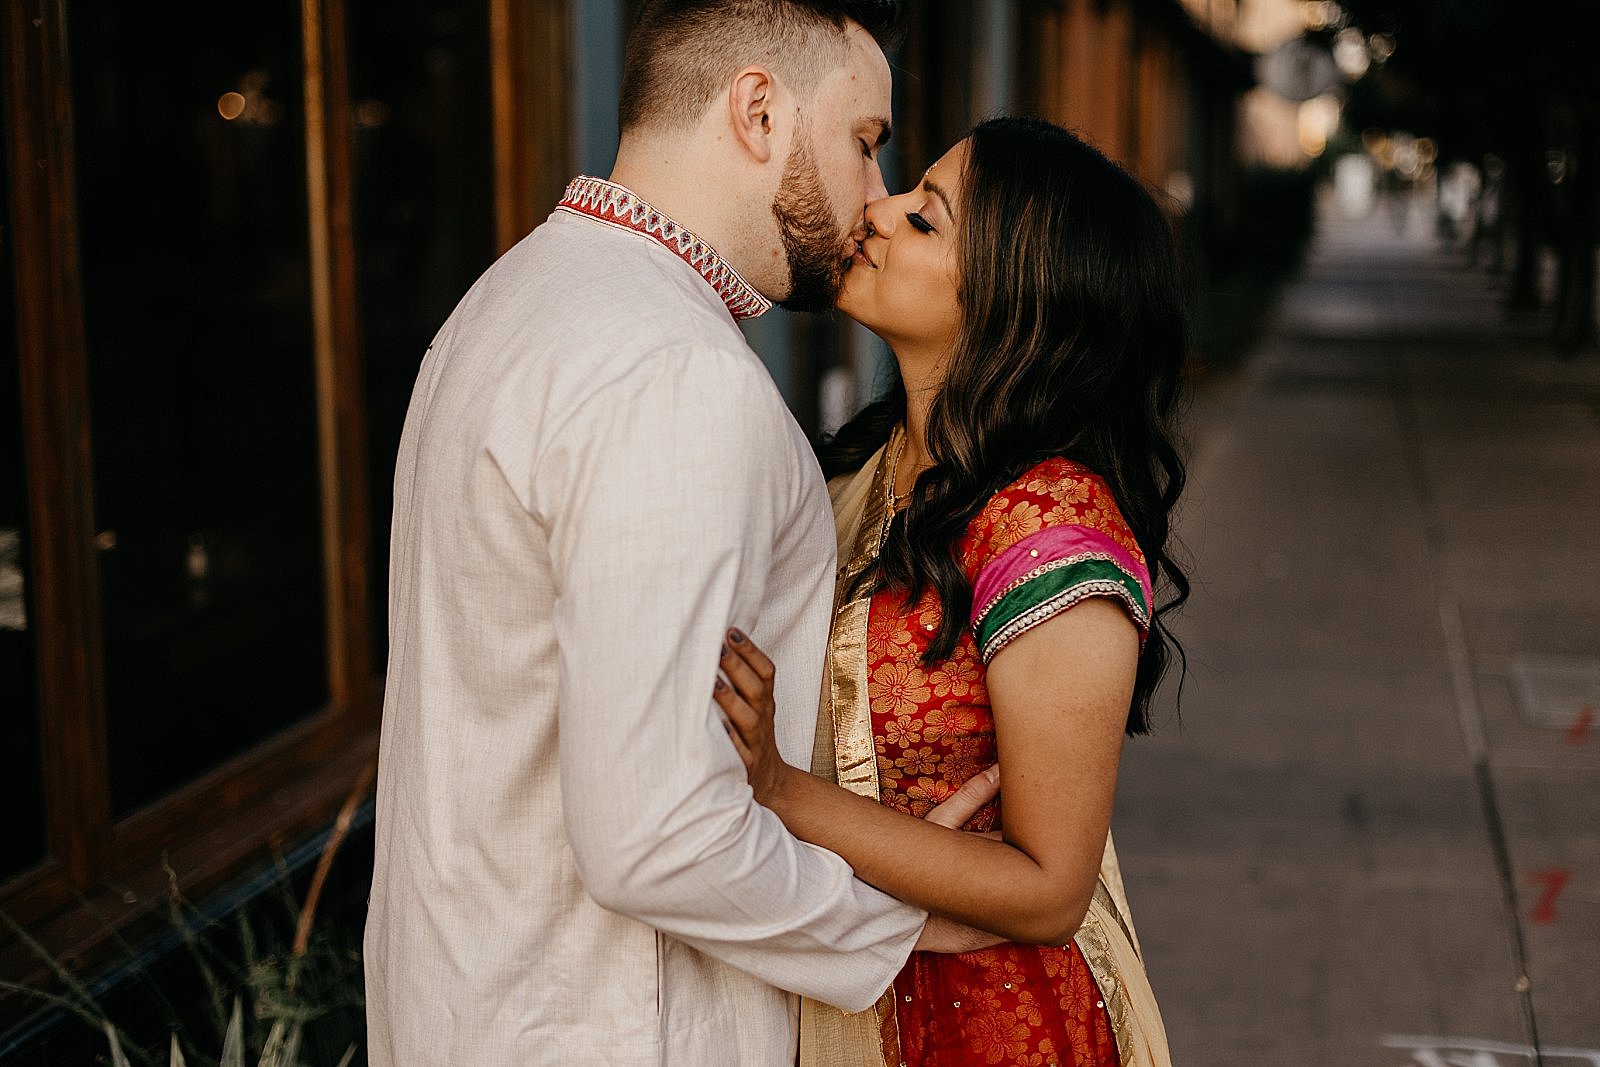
845,753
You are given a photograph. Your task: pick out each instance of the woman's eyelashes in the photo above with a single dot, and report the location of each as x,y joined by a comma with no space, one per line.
918,223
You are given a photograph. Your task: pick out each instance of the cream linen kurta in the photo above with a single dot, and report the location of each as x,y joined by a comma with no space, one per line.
596,477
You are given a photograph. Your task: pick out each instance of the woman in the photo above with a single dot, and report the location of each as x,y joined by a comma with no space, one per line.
1003,517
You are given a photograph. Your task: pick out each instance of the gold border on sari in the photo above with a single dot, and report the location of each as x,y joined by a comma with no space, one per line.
845,752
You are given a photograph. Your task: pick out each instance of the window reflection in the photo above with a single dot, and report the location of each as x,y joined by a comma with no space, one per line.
191,170
424,196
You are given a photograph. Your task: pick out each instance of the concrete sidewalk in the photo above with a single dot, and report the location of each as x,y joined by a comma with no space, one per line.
1381,809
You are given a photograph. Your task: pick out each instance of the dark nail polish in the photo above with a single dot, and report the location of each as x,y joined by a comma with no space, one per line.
718,685
738,638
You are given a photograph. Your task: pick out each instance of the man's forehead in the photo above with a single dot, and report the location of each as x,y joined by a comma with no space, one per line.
866,62
858,91
866,93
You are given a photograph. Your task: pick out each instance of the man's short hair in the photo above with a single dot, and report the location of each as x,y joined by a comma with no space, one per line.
681,53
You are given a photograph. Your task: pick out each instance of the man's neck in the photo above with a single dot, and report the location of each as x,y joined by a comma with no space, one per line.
663,176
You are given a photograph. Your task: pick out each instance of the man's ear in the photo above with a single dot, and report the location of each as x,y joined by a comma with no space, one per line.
750,109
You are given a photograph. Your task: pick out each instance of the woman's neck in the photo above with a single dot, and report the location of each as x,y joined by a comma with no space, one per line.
922,388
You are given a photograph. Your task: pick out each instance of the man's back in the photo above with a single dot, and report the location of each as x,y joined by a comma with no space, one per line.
596,476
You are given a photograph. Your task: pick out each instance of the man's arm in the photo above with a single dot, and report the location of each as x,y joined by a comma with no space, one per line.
663,496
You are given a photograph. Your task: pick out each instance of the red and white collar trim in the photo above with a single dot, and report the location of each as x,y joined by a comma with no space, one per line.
616,206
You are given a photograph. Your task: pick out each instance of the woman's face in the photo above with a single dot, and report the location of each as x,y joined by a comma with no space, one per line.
903,283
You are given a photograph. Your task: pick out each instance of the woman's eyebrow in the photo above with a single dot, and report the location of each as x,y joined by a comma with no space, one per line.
936,191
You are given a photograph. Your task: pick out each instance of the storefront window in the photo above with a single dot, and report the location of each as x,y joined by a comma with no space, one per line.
424,195
190,148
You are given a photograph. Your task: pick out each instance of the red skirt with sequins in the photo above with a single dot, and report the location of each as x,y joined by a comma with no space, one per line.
1012,1004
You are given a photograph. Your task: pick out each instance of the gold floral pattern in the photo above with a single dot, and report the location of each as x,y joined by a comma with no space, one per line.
898,684
960,676
1069,493
933,728
885,634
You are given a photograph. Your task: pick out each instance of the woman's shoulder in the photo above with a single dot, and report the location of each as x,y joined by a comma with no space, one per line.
1051,538
1056,493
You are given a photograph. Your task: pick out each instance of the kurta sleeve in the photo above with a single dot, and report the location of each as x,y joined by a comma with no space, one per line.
1047,542
664,496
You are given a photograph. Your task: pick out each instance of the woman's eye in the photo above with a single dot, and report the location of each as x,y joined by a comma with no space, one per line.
919,223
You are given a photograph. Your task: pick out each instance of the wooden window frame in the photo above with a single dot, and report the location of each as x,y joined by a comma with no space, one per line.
100,873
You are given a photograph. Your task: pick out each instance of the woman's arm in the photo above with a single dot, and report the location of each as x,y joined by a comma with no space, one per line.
1060,695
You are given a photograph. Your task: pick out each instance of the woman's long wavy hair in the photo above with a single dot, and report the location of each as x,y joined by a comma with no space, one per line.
1072,343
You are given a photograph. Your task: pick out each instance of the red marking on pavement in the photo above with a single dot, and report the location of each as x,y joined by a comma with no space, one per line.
1578,732
1554,880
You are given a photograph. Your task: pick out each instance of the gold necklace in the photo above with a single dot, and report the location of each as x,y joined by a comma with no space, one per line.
891,499
895,499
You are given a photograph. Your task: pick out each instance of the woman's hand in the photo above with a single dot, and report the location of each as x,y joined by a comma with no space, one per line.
964,803
746,699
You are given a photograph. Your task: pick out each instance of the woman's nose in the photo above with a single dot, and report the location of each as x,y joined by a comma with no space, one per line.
880,220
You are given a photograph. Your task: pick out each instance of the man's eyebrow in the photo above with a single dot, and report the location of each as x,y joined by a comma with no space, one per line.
885,131
936,191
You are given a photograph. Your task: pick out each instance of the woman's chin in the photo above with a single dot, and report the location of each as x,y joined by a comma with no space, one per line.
853,313
852,307
848,301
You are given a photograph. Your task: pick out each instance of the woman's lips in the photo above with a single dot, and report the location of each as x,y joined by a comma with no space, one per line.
861,256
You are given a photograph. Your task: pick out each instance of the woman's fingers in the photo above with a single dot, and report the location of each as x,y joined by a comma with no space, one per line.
740,747
750,653
745,696
744,719
964,803
748,669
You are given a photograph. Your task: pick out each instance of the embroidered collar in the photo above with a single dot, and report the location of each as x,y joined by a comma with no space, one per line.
616,206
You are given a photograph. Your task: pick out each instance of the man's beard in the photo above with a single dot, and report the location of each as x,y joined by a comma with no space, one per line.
812,240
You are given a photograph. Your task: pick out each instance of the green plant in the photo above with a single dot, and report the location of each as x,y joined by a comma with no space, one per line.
296,988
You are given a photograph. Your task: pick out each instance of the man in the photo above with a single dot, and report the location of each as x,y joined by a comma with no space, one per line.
596,478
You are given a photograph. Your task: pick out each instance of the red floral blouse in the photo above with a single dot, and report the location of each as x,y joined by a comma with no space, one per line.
1041,545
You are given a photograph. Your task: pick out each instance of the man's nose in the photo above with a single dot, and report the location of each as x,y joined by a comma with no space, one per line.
876,190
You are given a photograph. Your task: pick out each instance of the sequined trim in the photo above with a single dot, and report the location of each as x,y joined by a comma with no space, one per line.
1000,575
1041,571
617,206
1115,586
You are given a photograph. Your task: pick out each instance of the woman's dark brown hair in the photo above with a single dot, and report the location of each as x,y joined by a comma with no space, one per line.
1072,344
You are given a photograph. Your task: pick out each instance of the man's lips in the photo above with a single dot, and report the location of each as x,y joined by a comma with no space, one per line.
861,256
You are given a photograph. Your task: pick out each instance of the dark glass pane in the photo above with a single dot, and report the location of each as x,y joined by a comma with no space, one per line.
424,199
22,843
192,201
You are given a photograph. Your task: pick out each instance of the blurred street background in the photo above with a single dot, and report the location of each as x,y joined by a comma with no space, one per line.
1371,835
1374,836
